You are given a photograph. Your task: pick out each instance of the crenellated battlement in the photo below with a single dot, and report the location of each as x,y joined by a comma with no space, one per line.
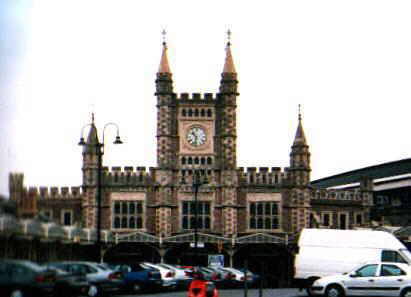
55,192
127,175
262,175
197,96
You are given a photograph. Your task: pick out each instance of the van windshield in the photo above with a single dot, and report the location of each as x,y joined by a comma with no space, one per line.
407,254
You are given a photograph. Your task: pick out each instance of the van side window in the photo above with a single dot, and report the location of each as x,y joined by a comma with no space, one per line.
392,256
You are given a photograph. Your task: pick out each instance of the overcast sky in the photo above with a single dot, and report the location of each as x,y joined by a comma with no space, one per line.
348,63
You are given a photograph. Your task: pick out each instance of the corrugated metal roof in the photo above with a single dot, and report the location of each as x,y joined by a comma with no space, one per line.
374,172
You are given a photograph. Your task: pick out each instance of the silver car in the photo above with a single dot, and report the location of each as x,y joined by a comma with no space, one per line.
372,279
102,280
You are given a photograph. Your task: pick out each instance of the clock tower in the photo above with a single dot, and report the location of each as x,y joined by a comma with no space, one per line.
196,132
207,125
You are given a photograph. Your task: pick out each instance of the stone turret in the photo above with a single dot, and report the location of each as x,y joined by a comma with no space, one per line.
299,171
166,115
164,82
227,115
228,83
90,156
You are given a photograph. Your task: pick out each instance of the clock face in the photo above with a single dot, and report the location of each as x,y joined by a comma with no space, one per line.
196,136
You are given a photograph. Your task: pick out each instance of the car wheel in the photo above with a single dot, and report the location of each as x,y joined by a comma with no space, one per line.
406,293
16,293
311,281
93,291
334,291
309,291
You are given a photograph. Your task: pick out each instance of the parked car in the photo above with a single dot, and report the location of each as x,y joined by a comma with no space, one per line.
25,278
182,276
372,279
167,275
139,278
102,281
69,285
237,277
255,278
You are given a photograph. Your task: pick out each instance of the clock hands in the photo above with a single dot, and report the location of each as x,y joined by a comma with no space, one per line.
196,136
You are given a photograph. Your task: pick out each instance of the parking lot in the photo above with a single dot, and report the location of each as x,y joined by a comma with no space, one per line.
232,293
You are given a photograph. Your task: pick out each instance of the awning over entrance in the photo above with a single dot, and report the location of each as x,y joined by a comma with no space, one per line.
137,237
260,238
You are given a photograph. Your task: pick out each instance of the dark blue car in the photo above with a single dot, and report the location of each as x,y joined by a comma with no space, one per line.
138,278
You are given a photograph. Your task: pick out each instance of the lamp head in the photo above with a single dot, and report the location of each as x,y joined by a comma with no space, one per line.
118,140
82,142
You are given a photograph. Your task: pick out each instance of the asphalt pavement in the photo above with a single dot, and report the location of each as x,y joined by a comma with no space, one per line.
230,293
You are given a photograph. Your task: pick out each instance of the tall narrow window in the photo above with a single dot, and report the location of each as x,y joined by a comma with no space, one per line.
203,215
67,218
127,215
264,215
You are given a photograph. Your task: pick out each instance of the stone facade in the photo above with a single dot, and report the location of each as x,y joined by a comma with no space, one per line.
197,133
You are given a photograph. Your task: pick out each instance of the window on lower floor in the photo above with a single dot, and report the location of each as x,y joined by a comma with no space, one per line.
264,215
343,221
203,215
358,219
128,215
67,218
326,219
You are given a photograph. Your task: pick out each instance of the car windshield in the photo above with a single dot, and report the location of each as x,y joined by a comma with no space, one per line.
33,266
407,254
102,267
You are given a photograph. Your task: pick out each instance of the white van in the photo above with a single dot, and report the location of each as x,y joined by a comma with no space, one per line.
323,252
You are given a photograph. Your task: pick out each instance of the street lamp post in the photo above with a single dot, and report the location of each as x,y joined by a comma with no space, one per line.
100,152
197,182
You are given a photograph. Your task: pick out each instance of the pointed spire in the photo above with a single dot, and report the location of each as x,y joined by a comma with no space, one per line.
229,64
299,135
164,67
92,138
